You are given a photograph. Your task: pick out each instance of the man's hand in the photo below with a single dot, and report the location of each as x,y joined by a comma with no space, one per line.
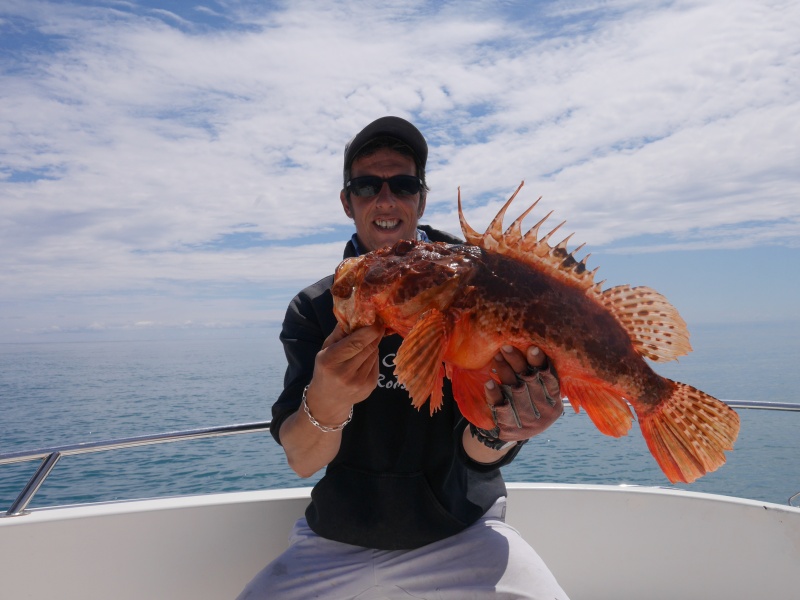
345,373
526,403
528,400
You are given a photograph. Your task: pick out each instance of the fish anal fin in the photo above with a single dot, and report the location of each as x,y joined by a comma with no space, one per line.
606,408
419,359
654,326
470,395
689,432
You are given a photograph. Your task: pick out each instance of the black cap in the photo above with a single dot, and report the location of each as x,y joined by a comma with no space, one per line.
392,127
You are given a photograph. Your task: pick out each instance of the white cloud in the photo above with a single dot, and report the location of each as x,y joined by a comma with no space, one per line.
156,135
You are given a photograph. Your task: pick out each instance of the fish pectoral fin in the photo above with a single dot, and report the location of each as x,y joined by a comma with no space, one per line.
689,432
470,395
418,365
437,394
606,408
654,326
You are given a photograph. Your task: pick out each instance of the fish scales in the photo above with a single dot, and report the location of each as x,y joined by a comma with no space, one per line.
526,306
456,305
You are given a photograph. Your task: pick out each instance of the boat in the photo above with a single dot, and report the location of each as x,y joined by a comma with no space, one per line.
601,541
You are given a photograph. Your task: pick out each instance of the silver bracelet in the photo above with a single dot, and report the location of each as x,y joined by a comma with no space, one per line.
319,425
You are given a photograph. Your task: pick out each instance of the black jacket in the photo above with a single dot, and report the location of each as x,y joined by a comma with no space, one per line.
401,478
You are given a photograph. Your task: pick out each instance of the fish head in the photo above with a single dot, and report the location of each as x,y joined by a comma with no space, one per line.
351,313
395,285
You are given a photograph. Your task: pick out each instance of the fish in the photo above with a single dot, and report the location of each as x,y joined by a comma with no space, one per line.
456,305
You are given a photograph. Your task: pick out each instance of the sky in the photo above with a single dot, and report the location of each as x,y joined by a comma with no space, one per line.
173,168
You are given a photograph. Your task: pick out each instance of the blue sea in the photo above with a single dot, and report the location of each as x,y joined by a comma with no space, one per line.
54,393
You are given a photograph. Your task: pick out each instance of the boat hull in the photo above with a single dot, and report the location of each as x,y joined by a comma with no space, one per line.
600,541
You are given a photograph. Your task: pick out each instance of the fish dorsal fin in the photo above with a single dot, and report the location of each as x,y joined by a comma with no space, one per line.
528,248
656,329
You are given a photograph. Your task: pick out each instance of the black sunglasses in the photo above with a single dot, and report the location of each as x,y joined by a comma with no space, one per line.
370,185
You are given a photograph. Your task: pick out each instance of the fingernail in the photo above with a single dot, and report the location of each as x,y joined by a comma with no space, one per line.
534,351
508,348
490,385
498,357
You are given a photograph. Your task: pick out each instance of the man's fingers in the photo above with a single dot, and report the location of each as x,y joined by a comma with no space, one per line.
493,393
336,335
519,361
516,360
525,401
347,366
343,347
536,357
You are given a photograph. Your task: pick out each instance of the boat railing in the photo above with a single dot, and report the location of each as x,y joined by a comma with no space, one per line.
51,456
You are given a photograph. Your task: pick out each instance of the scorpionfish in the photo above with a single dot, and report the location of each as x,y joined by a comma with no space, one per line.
456,305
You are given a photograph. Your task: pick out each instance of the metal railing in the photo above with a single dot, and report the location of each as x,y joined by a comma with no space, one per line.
51,456
763,405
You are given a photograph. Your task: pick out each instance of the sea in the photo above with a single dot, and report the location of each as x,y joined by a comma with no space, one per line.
64,392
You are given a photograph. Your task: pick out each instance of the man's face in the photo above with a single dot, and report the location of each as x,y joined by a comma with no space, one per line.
386,218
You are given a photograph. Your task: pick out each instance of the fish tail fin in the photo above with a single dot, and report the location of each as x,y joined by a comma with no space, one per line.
470,395
689,432
606,408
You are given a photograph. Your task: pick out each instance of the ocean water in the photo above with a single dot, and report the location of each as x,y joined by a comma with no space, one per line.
61,393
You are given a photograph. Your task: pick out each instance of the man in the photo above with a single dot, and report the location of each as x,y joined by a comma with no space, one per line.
411,504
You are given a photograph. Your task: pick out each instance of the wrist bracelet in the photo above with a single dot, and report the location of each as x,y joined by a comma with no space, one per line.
316,423
487,439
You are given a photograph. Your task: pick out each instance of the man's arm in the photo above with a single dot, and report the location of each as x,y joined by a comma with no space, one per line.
345,373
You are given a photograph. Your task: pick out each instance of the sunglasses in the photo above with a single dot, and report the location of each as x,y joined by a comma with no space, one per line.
370,185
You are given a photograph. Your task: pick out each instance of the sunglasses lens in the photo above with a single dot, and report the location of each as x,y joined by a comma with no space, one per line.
404,185
365,187
370,185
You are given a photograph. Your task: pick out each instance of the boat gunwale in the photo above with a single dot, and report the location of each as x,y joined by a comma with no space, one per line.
178,502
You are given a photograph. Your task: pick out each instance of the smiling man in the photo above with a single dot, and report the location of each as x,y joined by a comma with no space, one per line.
383,195
412,504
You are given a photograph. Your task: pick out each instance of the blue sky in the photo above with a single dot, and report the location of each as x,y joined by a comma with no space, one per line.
175,166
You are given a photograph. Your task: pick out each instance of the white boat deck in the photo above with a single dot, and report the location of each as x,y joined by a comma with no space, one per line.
600,541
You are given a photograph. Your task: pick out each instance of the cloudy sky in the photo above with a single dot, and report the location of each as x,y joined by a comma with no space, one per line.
175,166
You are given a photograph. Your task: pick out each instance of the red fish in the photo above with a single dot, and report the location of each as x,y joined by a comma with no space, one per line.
456,305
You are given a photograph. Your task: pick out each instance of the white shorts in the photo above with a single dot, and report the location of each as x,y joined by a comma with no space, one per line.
489,559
